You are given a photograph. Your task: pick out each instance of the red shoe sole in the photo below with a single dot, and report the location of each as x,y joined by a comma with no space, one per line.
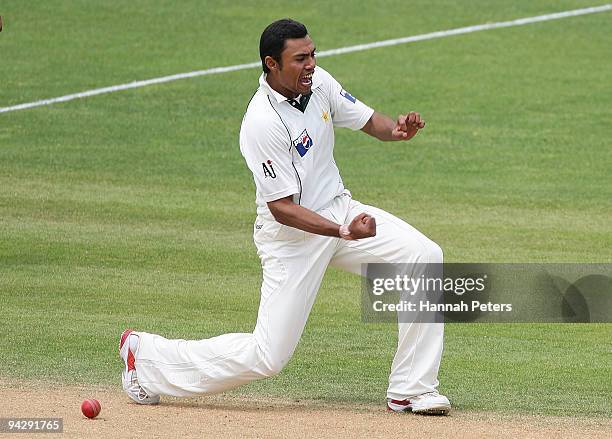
130,357
124,336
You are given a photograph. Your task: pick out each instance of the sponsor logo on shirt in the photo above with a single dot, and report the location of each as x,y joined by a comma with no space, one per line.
303,143
347,96
268,169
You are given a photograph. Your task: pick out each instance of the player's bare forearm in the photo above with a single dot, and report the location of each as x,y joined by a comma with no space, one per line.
386,129
380,127
286,212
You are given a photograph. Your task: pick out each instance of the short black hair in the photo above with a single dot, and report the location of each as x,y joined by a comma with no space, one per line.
272,41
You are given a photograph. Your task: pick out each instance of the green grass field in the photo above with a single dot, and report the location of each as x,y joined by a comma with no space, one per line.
135,208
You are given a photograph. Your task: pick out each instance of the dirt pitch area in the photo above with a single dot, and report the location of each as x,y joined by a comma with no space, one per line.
231,416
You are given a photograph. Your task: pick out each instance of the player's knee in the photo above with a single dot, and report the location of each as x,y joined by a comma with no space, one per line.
274,366
432,253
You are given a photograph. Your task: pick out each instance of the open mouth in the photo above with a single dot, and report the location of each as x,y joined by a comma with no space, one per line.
306,80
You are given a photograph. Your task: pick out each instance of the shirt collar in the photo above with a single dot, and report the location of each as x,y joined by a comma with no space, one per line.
316,82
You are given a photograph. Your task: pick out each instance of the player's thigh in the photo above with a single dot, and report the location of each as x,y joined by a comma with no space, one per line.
292,274
396,241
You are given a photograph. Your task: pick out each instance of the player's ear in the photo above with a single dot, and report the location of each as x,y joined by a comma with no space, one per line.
271,63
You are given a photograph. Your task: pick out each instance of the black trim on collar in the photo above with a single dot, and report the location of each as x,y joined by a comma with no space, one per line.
304,99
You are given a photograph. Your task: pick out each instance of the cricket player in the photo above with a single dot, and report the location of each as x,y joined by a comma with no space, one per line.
306,221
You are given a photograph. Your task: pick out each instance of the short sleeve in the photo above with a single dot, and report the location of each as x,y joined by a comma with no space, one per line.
266,148
347,111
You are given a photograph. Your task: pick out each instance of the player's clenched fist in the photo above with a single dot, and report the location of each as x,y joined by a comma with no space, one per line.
408,125
362,226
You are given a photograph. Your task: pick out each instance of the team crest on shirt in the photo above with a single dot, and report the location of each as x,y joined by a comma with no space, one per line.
346,95
303,143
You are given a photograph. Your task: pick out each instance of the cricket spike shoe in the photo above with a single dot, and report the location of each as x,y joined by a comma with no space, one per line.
431,403
127,347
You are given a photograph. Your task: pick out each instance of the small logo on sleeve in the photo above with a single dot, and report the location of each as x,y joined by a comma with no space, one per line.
303,143
347,96
268,169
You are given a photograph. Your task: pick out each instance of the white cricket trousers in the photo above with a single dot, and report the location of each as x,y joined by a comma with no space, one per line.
294,263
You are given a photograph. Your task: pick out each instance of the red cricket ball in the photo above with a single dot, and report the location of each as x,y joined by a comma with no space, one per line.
91,408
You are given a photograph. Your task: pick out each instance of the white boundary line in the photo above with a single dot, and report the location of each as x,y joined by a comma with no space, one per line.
342,50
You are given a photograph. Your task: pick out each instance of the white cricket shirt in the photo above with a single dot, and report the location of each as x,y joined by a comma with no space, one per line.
291,152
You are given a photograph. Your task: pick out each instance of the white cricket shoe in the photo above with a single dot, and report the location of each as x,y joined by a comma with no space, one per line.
430,403
129,378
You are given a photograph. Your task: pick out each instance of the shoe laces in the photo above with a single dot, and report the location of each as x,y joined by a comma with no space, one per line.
433,394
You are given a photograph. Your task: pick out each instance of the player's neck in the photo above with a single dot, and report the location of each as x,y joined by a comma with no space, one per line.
275,85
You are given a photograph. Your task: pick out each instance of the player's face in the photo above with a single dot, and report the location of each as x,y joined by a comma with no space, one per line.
294,74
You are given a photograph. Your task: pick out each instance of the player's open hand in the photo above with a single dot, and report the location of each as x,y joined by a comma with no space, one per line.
362,226
407,126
